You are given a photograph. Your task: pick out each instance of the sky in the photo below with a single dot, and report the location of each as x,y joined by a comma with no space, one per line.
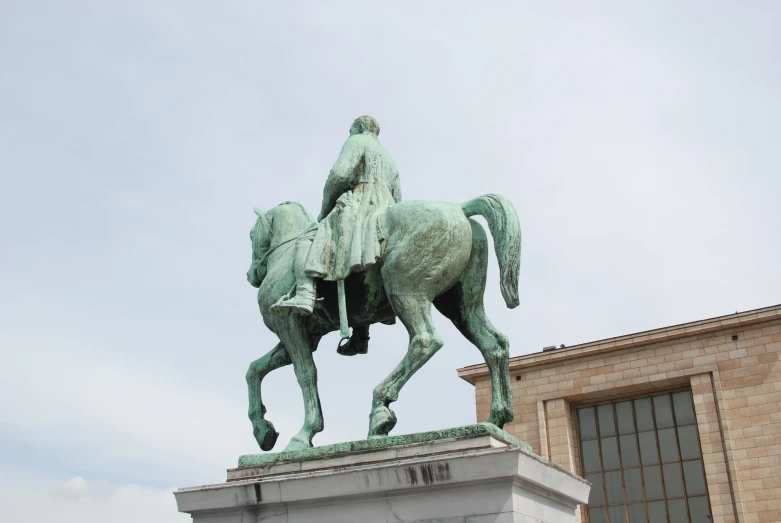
637,141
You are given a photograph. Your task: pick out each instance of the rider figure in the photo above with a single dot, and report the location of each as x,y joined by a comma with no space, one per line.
362,184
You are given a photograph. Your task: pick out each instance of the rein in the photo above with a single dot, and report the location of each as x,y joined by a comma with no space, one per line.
280,244
293,237
296,236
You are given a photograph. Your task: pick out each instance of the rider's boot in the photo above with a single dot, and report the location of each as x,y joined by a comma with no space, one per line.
303,302
358,343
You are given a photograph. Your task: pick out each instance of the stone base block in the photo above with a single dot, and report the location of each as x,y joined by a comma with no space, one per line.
480,478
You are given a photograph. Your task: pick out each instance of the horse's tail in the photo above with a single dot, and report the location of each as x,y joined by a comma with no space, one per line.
506,231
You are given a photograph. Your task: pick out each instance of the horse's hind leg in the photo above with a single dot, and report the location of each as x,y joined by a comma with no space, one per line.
463,305
424,342
477,328
262,429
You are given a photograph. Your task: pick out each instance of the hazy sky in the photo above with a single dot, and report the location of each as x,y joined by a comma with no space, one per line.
637,140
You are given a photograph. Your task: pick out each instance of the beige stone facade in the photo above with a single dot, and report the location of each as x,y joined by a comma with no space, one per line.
730,364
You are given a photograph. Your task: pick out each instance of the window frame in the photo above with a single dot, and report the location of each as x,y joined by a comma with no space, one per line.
641,465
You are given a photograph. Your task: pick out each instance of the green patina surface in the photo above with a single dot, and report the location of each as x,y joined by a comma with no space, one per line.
255,460
373,258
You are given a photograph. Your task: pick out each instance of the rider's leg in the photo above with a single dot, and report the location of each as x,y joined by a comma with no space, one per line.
304,300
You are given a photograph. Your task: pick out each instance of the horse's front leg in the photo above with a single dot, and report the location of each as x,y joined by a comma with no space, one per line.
262,429
300,345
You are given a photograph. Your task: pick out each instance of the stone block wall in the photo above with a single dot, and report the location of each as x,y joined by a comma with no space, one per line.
731,364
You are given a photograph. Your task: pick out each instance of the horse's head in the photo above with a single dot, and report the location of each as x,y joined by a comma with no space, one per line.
260,236
271,228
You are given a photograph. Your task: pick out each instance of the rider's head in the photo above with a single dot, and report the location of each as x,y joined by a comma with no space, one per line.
365,124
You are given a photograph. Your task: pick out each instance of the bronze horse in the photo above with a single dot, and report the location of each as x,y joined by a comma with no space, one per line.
432,253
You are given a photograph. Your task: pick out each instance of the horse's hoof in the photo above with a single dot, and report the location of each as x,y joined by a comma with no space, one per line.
297,444
269,441
265,435
381,422
502,416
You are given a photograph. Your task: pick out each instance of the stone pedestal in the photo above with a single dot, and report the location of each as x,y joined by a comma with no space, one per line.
467,476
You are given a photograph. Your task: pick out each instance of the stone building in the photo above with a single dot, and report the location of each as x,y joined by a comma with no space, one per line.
676,424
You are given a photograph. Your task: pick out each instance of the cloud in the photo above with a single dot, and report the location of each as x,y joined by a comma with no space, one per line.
114,419
636,141
78,487
27,498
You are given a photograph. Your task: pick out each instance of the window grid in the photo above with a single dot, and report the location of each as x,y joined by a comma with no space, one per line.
610,509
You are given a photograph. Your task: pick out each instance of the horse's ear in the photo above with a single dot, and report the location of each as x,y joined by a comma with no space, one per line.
259,212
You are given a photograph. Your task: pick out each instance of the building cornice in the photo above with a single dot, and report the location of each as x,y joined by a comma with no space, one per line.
731,321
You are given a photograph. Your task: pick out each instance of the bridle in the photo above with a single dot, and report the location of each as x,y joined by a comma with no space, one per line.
268,252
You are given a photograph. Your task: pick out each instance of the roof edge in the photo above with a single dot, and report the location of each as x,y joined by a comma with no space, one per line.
471,372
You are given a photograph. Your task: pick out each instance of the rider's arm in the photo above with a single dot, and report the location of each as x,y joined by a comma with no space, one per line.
341,177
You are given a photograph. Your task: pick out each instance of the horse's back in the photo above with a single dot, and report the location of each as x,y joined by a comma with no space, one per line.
428,247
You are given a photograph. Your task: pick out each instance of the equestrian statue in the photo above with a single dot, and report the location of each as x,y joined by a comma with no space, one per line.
371,258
